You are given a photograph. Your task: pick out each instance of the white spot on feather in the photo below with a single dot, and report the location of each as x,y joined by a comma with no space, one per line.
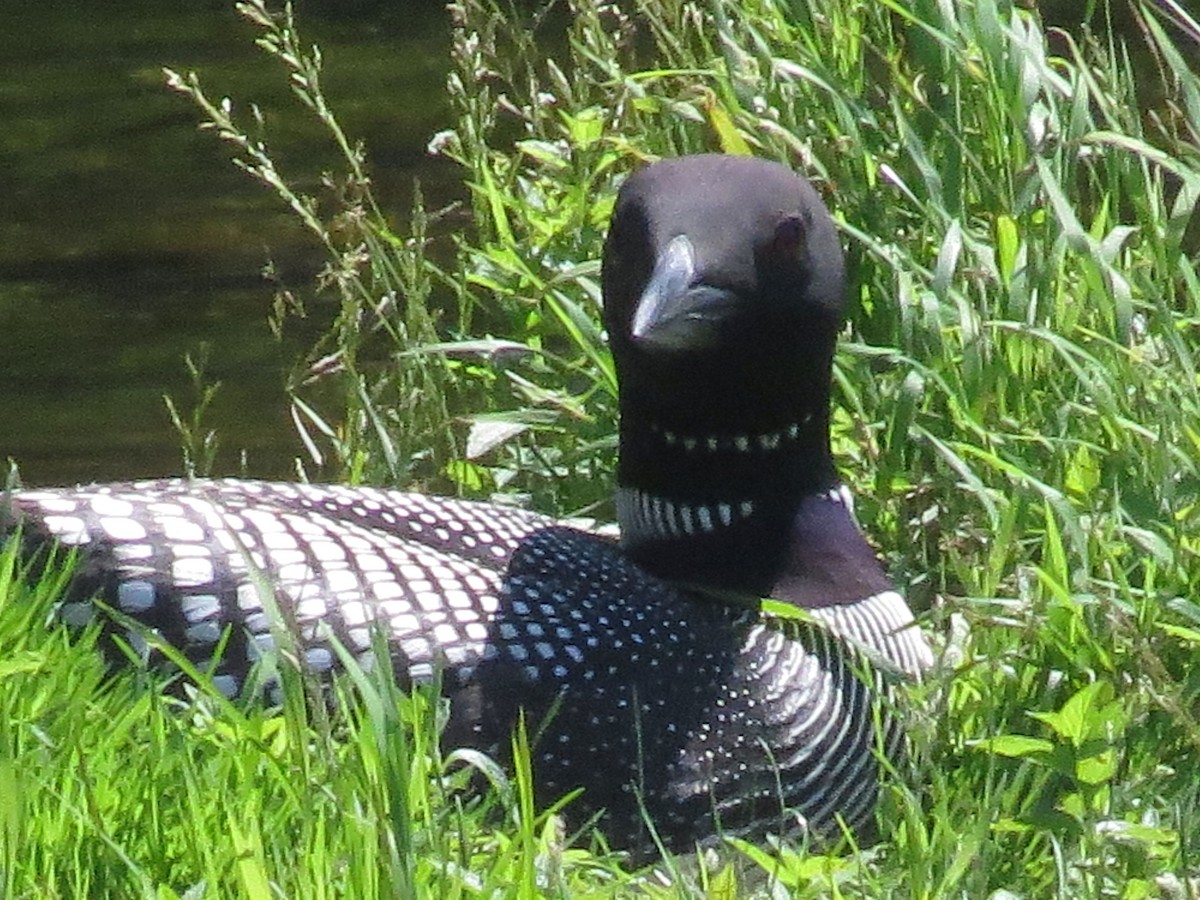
103,505
68,529
192,572
181,530
123,529
135,596
198,607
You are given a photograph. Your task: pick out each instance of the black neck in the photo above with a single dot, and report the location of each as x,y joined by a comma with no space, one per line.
717,509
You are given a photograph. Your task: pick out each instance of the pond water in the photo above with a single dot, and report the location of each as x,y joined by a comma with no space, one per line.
128,240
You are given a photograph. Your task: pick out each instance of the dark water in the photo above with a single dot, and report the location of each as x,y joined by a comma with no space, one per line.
127,239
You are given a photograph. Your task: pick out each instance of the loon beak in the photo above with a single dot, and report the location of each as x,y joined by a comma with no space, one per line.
676,311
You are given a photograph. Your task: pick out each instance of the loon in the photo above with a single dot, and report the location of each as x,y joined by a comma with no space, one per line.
648,670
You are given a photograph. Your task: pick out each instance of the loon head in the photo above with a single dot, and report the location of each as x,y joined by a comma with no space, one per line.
716,254
723,297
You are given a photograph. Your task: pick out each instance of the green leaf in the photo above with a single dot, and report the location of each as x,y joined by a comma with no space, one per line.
248,861
1007,244
1014,745
723,885
782,610
21,662
719,120
1083,472
1084,715
468,475
1191,635
1097,769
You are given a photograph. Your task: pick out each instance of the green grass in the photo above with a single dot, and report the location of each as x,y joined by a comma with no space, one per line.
1017,408
111,787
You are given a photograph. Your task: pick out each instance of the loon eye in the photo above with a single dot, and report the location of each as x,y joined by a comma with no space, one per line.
789,240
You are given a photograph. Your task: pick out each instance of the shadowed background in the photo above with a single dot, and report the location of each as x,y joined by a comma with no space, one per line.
128,240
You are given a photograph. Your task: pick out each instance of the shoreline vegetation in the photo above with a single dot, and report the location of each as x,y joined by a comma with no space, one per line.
1017,410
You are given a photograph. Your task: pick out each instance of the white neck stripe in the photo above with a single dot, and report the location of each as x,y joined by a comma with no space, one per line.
643,515
648,516
736,443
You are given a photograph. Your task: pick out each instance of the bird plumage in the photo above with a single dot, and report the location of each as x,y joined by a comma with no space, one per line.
646,668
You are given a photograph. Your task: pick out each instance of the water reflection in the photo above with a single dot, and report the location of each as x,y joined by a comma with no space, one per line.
128,239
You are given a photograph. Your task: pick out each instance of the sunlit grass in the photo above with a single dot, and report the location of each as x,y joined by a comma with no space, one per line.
1017,409
114,786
